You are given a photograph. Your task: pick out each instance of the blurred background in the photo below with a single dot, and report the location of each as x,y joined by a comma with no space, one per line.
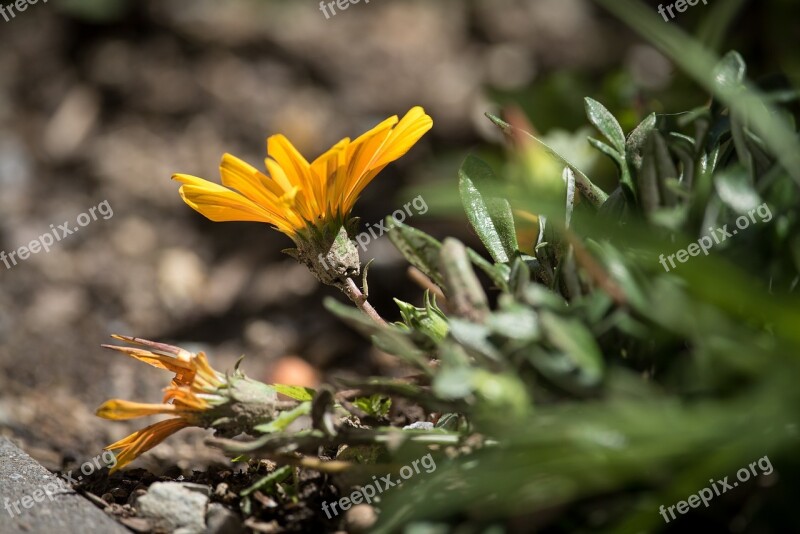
104,100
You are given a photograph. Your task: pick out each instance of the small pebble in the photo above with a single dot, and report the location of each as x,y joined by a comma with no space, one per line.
360,518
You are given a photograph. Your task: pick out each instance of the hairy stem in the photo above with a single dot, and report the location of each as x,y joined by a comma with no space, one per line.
354,293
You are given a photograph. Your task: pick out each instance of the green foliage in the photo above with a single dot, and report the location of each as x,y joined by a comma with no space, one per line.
298,393
428,325
588,370
491,218
264,484
375,406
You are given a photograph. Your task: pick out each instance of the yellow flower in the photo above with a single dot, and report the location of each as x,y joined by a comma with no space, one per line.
294,195
194,392
309,202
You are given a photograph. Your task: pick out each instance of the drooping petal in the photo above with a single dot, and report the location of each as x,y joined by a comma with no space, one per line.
143,440
206,377
121,410
160,348
167,363
184,399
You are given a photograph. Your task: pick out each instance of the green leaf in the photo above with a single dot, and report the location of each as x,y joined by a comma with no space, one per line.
449,421
619,159
428,322
491,217
387,338
665,166
730,71
636,140
377,405
466,297
498,273
268,481
502,400
280,423
453,382
616,206
298,393
605,122
593,193
576,342
647,181
742,149
419,249
609,151
520,276
687,179
519,324
702,65
735,190
475,337
657,171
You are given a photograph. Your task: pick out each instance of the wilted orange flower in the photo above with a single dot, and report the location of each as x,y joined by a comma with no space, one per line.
194,391
295,195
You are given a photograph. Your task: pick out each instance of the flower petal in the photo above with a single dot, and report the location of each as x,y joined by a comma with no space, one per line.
330,169
249,181
297,173
380,147
167,363
143,440
121,410
221,204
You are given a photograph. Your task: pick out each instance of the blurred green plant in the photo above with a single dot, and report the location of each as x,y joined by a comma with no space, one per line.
646,383
596,374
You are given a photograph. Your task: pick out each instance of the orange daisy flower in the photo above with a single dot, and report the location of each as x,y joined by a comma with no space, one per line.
309,202
295,194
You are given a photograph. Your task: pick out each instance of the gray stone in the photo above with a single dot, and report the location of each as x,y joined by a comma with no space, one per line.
419,425
172,506
360,518
52,506
199,488
221,520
